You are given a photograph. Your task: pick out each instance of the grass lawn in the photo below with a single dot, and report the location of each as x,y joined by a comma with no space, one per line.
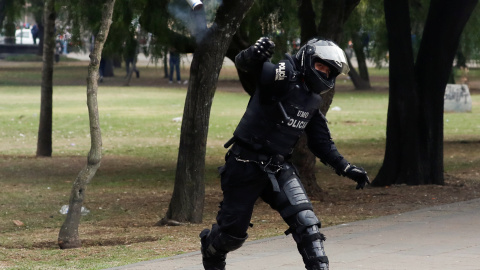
132,188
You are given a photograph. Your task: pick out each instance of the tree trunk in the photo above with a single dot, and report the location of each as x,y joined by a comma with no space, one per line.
306,16
357,80
334,15
189,190
130,71
109,67
44,142
304,161
3,5
402,156
414,147
360,80
446,21
41,35
68,236
165,62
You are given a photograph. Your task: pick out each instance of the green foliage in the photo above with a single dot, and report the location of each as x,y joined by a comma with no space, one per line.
80,17
36,9
470,41
274,19
12,11
124,28
155,17
167,21
368,20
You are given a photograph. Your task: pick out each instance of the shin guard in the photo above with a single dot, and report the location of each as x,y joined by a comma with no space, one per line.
305,231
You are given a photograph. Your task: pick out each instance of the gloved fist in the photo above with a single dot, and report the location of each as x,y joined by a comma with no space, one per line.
263,49
358,175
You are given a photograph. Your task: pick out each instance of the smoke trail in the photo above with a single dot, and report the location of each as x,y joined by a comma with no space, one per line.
196,20
193,20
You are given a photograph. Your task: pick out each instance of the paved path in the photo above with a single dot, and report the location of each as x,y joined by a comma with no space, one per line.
442,237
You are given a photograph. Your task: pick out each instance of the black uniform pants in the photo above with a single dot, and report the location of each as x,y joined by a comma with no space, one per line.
242,184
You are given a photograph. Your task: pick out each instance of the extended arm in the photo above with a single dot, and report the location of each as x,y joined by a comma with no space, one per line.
321,144
249,63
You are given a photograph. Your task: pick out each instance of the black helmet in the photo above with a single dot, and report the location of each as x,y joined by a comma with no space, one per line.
326,52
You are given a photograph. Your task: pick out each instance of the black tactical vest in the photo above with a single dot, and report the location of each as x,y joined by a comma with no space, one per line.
273,124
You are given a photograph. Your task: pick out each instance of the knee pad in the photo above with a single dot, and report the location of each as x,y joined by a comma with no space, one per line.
303,223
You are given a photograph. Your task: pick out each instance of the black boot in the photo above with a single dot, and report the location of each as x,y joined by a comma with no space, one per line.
216,245
212,260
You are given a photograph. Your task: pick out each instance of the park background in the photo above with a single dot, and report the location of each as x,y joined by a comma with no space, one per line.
133,186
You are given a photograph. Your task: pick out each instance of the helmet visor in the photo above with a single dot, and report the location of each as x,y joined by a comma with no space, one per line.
333,55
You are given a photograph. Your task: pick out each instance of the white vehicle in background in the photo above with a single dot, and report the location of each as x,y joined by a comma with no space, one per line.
23,36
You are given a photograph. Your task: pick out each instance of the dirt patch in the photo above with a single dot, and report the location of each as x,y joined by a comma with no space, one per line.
125,213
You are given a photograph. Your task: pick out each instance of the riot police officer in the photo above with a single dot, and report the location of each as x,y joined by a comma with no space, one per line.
284,104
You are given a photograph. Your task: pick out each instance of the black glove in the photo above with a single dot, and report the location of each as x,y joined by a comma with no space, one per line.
358,175
263,49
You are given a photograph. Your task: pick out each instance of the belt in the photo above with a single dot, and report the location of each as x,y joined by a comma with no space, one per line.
271,164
